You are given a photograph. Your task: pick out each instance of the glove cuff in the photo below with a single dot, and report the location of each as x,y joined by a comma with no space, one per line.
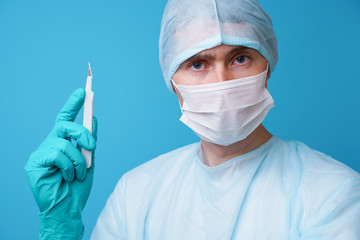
69,227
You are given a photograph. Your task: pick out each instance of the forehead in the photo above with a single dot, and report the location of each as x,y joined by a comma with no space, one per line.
221,50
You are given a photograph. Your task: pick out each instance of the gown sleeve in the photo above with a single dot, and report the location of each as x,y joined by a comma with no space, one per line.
338,217
111,223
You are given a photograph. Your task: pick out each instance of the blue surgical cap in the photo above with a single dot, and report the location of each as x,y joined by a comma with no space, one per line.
189,27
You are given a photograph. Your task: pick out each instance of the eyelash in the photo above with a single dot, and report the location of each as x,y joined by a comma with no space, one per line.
242,56
202,62
192,64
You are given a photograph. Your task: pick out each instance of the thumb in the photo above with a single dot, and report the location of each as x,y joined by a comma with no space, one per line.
72,106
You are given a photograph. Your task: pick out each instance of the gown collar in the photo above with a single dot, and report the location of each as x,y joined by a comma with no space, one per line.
254,154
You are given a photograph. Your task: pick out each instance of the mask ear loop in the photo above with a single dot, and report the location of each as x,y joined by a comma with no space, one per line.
174,85
267,74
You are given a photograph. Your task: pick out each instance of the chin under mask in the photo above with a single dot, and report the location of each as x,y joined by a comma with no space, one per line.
226,112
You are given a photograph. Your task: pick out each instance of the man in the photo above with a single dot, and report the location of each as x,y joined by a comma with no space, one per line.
239,182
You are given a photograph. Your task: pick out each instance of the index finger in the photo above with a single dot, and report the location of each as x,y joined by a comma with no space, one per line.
72,106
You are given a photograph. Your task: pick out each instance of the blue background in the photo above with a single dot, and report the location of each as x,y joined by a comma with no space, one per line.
44,50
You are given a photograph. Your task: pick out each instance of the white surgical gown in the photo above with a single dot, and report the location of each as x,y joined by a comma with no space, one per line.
281,190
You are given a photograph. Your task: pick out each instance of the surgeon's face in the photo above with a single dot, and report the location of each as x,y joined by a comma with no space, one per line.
217,64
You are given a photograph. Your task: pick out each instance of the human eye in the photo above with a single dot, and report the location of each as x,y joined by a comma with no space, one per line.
197,66
241,60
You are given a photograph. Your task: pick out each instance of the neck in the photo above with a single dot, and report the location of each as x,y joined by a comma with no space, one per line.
214,154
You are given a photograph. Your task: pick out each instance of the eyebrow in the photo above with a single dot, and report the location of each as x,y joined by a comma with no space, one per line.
209,56
200,56
236,49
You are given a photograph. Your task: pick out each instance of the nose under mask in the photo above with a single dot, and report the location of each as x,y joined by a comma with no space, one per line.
226,112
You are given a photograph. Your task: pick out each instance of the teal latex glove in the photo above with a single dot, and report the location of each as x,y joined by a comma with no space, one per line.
58,176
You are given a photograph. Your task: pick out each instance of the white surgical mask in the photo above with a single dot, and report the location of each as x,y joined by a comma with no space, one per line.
226,112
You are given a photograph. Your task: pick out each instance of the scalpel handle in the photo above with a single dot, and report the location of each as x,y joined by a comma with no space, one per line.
88,122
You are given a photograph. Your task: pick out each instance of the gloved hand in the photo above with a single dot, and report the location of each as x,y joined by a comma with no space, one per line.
58,176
